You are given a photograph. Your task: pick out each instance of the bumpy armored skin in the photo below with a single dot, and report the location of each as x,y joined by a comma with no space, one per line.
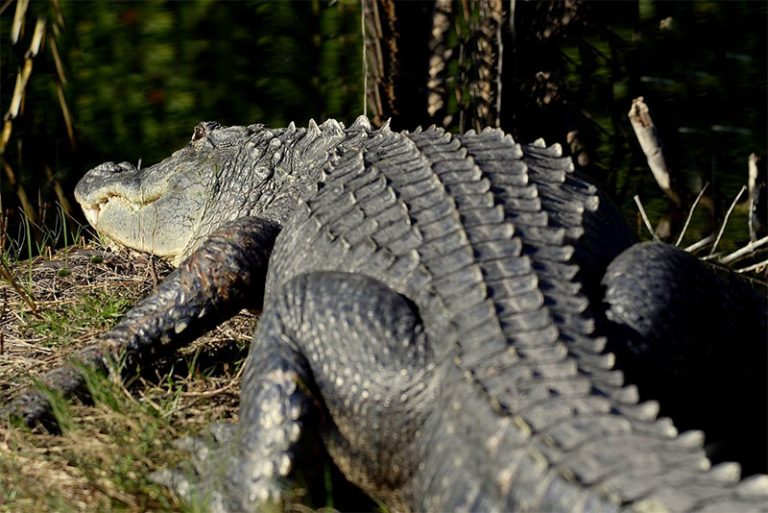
429,318
697,350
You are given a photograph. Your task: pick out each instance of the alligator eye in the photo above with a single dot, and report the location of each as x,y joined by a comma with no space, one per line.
199,132
203,130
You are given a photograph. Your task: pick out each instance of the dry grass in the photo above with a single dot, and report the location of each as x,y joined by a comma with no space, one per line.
103,457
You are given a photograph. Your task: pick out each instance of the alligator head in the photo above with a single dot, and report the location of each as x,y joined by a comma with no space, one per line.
224,173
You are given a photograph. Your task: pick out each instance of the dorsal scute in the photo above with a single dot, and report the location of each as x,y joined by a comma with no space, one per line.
361,122
312,129
332,127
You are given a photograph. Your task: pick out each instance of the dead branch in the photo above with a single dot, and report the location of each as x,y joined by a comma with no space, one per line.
749,248
757,188
700,244
648,137
6,273
754,267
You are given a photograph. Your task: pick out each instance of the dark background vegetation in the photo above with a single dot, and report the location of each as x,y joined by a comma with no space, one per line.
129,80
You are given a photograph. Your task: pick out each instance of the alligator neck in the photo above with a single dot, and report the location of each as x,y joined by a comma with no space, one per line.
298,158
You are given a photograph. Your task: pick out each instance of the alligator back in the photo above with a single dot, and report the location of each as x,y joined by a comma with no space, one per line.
480,234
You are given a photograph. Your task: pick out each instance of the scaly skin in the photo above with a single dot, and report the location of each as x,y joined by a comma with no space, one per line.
429,314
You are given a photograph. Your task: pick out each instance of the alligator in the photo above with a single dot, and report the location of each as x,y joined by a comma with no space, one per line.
441,316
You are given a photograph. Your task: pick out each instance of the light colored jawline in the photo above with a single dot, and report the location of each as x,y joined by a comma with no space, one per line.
91,214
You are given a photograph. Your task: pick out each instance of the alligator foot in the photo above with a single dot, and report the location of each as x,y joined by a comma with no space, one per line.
206,455
215,463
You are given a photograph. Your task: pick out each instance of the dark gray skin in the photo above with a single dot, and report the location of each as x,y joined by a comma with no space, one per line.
429,315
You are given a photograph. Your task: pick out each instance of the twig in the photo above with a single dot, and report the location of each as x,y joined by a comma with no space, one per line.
745,250
211,393
700,244
197,396
18,20
645,218
753,267
690,214
512,31
752,183
365,59
725,220
757,178
5,6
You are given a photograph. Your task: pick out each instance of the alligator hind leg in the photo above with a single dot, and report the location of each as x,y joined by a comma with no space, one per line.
348,339
693,338
226,275
247,468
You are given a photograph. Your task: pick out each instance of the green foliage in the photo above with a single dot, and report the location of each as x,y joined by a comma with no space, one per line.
146,72
141,75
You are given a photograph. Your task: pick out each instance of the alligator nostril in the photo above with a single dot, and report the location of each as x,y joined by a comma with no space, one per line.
112,168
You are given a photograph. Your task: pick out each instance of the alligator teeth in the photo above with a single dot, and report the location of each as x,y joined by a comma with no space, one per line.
92,213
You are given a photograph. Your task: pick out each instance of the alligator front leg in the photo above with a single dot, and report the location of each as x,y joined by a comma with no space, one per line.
227,274
338,360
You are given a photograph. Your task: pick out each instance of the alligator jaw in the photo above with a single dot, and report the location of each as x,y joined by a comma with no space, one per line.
93,210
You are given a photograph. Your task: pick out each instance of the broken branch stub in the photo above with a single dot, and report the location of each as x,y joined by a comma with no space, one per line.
648,137
758,210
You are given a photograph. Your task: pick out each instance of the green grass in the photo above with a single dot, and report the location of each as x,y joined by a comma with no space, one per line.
62,323
103,458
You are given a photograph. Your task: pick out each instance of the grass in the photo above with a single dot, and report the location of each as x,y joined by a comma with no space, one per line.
62,323
103,457
99,463
56,304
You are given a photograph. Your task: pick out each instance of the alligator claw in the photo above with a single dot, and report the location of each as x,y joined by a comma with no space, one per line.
206,478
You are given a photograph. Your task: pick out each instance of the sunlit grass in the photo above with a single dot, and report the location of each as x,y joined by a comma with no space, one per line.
63,322
105,453
100,461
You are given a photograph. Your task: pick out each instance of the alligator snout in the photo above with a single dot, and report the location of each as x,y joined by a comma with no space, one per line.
109,179
109,169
